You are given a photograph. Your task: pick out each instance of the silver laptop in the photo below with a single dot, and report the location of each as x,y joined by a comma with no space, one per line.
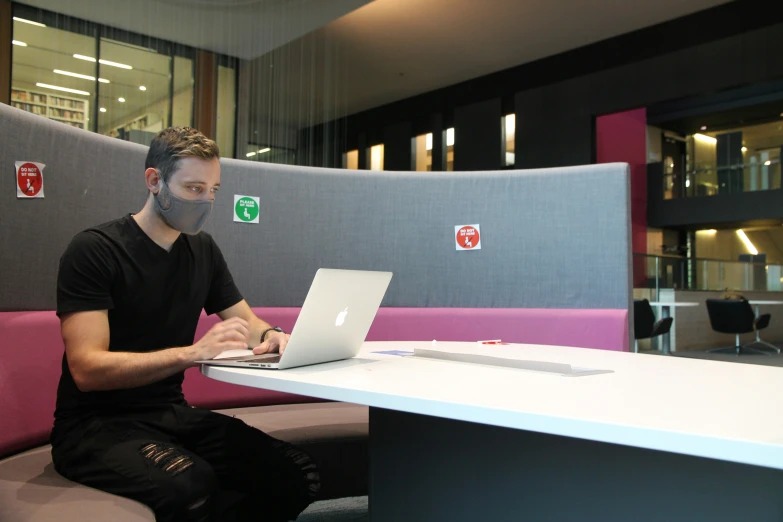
332,325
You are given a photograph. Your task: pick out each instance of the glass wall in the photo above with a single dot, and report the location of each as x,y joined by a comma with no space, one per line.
48,79
508,126
226,106
375,157
110,81
421,148
448,145
351,160
182,101
732,160
263,153
135,102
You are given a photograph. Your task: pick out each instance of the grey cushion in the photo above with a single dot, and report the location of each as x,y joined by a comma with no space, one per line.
30,490
334,433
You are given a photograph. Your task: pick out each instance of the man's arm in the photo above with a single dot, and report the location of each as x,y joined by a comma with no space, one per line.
273,342
95,368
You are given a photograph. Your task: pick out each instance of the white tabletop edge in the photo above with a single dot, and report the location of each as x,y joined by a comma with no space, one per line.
719,448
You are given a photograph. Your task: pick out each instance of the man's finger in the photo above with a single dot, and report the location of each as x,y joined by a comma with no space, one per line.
261,348
282,343
241,329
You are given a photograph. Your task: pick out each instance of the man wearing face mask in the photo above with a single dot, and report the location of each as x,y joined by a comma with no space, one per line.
129,296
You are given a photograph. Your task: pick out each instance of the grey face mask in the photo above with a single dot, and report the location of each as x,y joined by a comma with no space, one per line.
187,216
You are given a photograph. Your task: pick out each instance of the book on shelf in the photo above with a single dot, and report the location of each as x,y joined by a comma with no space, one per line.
26,96
72,111
35,109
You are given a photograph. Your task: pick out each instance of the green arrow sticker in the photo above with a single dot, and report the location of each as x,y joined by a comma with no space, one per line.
246,209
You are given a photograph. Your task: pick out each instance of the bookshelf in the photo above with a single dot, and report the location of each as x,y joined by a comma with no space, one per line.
146,122
71,111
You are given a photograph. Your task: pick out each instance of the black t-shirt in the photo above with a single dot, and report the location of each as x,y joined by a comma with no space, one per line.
154,299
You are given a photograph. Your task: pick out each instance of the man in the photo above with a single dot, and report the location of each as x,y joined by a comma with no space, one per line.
129,296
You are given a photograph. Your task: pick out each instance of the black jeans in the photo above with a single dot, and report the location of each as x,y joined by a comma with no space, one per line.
187,464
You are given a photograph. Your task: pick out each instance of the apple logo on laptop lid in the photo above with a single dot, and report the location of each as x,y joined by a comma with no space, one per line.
341,317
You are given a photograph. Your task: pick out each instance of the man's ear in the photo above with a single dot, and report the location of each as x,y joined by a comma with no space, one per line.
152,178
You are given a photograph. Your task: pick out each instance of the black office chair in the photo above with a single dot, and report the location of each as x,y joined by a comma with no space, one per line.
735,316
644,324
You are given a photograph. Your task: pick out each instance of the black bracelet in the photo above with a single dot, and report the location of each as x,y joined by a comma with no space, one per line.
274,328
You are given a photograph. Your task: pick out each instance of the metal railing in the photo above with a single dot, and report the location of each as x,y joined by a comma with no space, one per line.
657,272
723,180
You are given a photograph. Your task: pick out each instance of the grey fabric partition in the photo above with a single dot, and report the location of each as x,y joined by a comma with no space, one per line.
553,238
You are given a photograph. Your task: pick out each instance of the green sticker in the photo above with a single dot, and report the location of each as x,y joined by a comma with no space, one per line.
246,209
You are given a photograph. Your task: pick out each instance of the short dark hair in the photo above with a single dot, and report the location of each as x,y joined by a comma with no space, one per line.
178,142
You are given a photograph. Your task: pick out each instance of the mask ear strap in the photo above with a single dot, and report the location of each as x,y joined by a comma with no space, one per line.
161,184
164,192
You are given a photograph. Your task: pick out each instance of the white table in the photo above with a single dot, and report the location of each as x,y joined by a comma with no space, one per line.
665,307
464,442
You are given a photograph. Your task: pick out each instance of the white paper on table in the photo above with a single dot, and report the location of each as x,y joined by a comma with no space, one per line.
462,355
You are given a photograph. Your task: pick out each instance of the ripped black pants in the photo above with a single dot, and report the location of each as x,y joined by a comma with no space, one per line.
187,464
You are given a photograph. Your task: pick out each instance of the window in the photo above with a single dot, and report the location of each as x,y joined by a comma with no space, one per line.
448,157
182,103
351,160
47,78
135,102
226,106
100,78
422,153
508,125
375,157
267,154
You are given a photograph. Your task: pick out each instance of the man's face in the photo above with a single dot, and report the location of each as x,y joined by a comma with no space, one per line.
195,179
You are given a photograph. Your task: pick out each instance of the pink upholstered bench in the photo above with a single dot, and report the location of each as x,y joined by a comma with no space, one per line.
335,433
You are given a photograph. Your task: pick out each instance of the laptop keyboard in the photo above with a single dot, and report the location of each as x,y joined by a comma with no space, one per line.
270,358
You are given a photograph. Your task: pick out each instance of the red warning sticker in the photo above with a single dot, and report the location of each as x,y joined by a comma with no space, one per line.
468,237
29,179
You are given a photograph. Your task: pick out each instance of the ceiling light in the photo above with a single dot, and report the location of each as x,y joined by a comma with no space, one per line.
264,150
744,149
28,22
102,109
746,241
85,58
768,163
250,154
115,64
104,62
64,89
706,138
75,75
103,80
17,42
142,88
121,100
703,127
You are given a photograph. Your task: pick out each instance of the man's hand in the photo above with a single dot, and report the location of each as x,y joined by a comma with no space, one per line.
232,334
275,342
